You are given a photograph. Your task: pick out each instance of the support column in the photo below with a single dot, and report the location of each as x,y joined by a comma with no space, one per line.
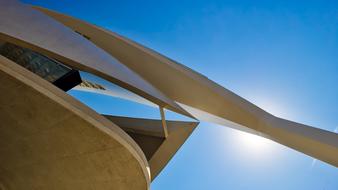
164,124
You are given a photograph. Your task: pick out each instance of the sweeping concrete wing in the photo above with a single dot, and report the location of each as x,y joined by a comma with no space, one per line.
311,132
89,85
203,98
49,140
29,28
149,135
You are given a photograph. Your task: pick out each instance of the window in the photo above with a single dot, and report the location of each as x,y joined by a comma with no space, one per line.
47,68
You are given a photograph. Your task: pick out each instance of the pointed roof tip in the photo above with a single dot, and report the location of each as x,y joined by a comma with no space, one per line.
149,135
149,126
182,111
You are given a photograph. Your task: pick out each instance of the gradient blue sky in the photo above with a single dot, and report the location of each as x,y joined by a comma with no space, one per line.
280,55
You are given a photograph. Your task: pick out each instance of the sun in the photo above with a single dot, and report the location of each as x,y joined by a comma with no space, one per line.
254,144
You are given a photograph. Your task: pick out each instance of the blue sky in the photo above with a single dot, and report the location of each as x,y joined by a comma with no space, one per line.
280,55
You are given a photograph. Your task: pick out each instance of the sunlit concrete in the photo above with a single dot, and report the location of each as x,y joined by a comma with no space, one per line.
27,27
205,99
149,135
49,140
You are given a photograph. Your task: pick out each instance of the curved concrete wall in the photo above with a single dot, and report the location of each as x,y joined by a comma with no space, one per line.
49,140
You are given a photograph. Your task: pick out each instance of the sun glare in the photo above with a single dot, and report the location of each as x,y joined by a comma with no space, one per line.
254,143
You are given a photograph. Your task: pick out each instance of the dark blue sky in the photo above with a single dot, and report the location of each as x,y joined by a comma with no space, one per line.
280,55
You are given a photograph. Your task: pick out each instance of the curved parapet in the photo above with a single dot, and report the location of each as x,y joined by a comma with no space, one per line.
49,140
29,28
203,98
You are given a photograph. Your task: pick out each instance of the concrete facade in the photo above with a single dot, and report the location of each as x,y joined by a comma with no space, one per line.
203,98
49,140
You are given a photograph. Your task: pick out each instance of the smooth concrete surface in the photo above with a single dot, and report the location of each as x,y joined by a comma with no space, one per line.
149,135
49,140
114,91
22,25
176,81
206,98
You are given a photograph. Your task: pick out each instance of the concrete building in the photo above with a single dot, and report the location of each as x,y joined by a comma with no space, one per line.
50,140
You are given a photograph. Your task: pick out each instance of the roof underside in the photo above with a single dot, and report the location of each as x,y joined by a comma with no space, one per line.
149,135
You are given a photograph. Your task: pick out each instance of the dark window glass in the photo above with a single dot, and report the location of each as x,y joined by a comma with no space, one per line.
47,68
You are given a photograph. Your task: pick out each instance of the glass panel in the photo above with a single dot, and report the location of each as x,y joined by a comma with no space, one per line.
45,67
